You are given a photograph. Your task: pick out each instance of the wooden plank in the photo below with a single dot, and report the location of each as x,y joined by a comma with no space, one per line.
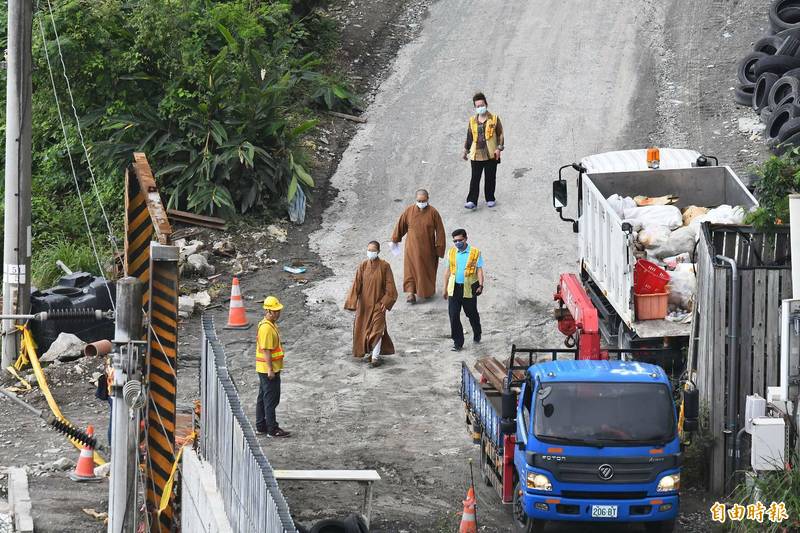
743,252
759,330
704,354
708,349
769,249
731,244
782,249
718,239
773,328
745,339
786,284
197,220
360,120
717,467
691,361
758,244
147,183
367,476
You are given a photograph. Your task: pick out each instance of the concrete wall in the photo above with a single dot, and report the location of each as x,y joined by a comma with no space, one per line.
202,509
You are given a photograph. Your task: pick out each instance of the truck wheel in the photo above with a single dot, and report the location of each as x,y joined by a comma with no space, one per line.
666,526
522,522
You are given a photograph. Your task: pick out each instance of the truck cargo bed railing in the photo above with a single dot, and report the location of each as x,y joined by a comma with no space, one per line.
475,398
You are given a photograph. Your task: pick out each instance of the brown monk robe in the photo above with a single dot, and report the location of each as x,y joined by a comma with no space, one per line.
425,244
372,294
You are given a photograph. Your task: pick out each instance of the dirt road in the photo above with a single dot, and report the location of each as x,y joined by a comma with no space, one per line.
562,85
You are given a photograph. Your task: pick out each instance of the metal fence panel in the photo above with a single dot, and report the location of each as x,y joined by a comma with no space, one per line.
253,501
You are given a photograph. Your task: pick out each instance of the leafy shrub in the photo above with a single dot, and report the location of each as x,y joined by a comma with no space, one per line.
182,79
781,486
779,177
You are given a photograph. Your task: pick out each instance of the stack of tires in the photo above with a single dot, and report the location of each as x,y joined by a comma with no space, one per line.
769,77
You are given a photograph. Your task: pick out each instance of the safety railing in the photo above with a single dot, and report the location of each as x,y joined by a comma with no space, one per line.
253,501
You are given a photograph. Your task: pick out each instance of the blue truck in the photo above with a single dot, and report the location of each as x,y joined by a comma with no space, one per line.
578,440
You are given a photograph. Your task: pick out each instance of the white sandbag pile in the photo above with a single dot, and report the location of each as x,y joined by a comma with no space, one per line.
668,236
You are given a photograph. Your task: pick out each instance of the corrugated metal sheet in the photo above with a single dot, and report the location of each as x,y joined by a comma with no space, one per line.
629,160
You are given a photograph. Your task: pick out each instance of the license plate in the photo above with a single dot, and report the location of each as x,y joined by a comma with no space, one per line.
604,511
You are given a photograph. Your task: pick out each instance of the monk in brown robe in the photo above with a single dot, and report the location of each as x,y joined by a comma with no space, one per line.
425,244
372,294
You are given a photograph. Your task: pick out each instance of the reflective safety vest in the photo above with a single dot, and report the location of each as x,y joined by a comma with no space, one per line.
276,353
489,132
470,271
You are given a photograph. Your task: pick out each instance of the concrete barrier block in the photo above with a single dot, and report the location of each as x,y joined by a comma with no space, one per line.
19,500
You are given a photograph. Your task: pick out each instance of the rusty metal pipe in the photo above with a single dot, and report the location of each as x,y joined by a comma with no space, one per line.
97,348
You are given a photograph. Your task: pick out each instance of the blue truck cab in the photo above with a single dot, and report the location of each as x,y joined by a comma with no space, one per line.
588,440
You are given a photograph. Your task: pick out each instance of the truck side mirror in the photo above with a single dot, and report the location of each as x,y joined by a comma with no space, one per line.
559,194
691,403
691,409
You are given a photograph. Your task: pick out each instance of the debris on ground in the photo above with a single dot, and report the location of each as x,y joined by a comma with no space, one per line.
223,247
277,233
188,304
66,347
198,265
95,514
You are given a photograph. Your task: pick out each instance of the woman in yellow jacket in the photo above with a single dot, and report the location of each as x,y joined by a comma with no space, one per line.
483,147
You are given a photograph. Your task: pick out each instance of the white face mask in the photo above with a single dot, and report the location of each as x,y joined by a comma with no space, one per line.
422,205
372,255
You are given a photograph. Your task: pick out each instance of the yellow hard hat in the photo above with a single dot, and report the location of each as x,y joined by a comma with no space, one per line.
272,304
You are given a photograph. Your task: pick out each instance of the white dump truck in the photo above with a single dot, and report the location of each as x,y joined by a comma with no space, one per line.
608,242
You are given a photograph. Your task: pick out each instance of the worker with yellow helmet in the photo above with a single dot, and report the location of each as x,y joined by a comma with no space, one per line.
269,363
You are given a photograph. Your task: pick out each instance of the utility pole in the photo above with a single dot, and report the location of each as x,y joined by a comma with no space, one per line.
17,229
128,400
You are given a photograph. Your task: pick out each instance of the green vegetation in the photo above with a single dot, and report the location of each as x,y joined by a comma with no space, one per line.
782,486
76,256
217,93
780,176
696,456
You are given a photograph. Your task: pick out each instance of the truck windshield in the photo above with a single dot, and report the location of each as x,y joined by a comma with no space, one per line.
613,414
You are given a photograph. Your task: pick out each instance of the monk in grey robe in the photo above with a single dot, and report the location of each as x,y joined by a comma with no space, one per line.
372,294
425,244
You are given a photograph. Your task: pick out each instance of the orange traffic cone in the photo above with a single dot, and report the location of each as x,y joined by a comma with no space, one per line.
237,319
468,522
84,470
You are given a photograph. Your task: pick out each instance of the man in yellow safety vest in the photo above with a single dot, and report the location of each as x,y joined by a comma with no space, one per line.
485,141
269,363
463,285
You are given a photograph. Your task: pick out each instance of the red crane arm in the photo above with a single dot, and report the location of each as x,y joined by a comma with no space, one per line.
571,295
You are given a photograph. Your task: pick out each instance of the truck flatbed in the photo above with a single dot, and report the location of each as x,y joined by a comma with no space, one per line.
607,251
648,329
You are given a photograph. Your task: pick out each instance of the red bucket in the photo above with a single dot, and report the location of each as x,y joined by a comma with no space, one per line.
649,278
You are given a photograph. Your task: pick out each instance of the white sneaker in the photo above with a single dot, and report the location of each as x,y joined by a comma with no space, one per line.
469,205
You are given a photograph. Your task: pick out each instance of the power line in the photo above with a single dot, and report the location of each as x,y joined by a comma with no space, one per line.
71,162
80,131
